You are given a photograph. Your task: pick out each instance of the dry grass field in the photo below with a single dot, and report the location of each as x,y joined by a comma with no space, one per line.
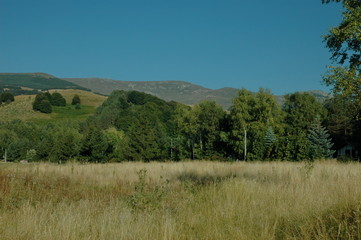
87,98
22,108
184,200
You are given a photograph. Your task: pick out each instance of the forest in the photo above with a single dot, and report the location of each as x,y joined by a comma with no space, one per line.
135,126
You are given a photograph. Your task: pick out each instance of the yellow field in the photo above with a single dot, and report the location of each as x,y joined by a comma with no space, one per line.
185,200
86,98
22,107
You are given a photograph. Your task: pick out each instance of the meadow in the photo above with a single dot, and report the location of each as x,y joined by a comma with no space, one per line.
181,200
21,108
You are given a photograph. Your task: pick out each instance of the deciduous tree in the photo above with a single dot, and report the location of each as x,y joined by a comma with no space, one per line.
344,43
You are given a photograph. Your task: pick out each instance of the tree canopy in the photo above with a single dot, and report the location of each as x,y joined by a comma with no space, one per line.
6,97
344,43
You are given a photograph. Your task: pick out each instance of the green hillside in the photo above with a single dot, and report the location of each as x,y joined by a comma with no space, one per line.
21,108
22,83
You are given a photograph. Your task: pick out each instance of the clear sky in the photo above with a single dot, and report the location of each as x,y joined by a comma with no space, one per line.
214,43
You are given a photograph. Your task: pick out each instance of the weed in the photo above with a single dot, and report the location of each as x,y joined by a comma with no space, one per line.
307,168
146,197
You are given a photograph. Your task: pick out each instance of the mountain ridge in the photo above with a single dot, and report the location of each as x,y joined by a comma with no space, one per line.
174,90
34,81
169,90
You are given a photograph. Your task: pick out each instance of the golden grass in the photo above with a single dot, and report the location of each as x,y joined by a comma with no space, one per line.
184,200
86,98
22,107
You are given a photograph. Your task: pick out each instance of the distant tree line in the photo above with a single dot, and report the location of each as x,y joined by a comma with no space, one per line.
15,90
134,126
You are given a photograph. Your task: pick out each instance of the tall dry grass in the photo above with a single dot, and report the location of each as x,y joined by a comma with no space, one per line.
21,108
184,200
86,98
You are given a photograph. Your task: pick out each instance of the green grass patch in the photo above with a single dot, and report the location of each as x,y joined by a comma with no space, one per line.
68,112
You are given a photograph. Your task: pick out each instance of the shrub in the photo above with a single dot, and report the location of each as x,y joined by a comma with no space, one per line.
42,104
75,100
7,97
57,99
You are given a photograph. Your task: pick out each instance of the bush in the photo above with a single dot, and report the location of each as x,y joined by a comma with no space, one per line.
345,159
42,104
57,99
7,97
76,100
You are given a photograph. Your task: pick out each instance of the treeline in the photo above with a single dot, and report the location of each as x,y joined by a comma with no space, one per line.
14,90
134,126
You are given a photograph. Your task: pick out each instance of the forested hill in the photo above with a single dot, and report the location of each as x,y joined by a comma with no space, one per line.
179,91
30,83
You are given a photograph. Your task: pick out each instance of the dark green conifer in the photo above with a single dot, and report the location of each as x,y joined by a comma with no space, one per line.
320,142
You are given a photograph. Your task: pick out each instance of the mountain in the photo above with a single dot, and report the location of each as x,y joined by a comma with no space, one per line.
178,91
23,83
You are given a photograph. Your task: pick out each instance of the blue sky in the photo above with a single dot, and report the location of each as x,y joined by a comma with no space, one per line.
213,43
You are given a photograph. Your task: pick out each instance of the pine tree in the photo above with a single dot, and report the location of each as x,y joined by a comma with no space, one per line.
320,142
270,137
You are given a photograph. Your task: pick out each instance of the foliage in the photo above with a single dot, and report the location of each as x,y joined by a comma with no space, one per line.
320,142
66,144
30,154
146,120
75,100
133,126
145,138
344,42
145,197
94,146
42,104
301,111
252,115
202,127
36,81
6,97
57,99
341,121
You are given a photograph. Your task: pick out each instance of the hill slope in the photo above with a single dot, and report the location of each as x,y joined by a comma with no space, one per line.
179,91
34,81
22,108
